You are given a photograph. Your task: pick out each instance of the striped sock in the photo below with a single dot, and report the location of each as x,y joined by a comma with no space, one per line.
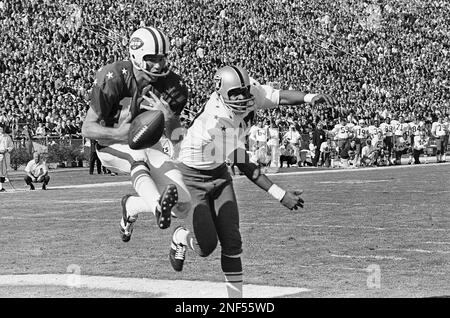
145,188
232,269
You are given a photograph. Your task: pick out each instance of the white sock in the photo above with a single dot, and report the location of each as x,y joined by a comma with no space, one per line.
136,205
234,289
145,187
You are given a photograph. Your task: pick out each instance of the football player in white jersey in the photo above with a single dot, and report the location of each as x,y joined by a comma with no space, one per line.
341,133
218,133
388,131
373,129
401,129
260,134
439,132
415,127
359,134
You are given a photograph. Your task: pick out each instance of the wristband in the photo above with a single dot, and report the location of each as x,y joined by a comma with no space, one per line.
308,97
276,192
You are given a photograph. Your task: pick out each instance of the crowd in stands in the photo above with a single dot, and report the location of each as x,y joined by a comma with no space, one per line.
378,58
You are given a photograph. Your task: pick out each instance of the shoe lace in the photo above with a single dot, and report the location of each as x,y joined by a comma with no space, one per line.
180,252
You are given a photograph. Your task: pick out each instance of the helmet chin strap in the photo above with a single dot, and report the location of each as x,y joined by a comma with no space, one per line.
230,107
165,72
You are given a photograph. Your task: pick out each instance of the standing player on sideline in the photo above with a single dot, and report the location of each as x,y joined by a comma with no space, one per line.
260,134
360,134
6,146
388,132
119,88
400,129
218,133
415,127
341,133
274,144
439,132
373,128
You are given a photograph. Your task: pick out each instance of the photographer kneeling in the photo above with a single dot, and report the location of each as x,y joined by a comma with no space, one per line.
37,171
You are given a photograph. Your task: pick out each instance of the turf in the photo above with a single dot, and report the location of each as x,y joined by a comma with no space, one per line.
396,220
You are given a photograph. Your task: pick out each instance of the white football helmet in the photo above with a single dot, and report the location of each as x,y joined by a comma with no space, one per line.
148,41
234,81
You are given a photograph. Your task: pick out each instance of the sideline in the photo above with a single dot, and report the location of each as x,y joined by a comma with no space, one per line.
160,288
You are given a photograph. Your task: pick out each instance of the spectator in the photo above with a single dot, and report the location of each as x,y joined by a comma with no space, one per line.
40,131
37,171
27,138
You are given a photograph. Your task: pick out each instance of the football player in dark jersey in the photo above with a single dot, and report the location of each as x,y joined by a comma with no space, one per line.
119,93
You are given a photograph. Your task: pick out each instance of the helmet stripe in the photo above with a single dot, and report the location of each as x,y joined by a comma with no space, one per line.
163,40
155,39
241,78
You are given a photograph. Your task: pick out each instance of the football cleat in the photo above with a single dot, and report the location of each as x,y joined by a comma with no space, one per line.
177,252
163,212
126,223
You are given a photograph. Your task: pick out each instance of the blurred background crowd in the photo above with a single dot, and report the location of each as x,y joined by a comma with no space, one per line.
378,58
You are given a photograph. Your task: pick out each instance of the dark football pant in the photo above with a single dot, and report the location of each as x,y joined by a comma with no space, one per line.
215,215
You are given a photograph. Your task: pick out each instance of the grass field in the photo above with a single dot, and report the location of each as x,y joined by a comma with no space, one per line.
382,232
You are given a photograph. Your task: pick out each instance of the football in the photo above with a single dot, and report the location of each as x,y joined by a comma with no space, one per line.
146,129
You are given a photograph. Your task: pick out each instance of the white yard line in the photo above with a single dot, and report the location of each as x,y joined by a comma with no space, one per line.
50,216
159,288
124,183
438,243
377,257
412,250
